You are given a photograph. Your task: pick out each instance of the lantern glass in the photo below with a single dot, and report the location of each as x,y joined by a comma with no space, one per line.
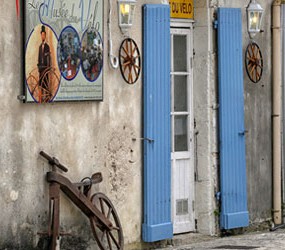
255,13
126,13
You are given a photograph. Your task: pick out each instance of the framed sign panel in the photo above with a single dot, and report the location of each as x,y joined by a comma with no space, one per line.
63,50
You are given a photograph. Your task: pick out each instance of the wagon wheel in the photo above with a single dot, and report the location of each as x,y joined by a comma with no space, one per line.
253,62
105,238
130,61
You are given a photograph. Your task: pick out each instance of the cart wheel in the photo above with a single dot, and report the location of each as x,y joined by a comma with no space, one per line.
130,61
253,62
107,239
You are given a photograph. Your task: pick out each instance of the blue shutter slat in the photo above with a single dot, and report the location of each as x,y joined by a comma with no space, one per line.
157,223
234,211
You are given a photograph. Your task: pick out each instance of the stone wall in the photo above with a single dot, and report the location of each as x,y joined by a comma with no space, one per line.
257,98
98,136
86,136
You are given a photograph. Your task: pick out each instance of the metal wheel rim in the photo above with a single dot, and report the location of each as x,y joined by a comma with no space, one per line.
106,239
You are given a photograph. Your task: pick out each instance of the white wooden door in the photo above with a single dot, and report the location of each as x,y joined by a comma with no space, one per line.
182,152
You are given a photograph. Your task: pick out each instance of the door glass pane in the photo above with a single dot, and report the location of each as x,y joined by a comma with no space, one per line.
180,93
180,133
180,51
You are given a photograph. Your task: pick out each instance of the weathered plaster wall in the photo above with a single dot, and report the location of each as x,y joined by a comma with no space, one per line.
204,113
258,113
97,136
257,117
87,137
258,122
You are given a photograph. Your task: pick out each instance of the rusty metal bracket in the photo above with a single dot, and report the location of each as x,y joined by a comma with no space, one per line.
144,139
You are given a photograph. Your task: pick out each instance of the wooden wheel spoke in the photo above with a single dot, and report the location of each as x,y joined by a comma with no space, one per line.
131,48
260,66
136,57
116,228
125,67
250,58
126,52
248,55
109,241
254,66
109,212
126,63
124,57
115,240
257,53
103,235
130,76
257,75
137,67
131,70
136,73
132,80
249,65
102,206
252,48
134,50
127,47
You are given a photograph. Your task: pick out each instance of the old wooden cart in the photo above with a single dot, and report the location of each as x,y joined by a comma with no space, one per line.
103,217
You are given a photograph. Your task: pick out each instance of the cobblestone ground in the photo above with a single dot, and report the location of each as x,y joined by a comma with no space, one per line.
259,241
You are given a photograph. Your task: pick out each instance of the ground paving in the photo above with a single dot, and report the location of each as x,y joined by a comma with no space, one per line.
256,241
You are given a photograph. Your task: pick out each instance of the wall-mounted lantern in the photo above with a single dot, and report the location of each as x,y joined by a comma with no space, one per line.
254,18
126,9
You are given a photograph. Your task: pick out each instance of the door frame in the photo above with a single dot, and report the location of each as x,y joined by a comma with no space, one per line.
184,27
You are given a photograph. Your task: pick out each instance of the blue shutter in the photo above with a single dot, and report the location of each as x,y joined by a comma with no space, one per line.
234,212
157,223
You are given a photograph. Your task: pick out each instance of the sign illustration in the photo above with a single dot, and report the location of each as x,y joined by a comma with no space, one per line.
63,50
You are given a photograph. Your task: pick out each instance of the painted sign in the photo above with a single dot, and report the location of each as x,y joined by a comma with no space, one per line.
181,9
63,50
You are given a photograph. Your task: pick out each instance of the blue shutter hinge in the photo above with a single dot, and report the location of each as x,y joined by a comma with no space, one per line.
218,196
216,24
